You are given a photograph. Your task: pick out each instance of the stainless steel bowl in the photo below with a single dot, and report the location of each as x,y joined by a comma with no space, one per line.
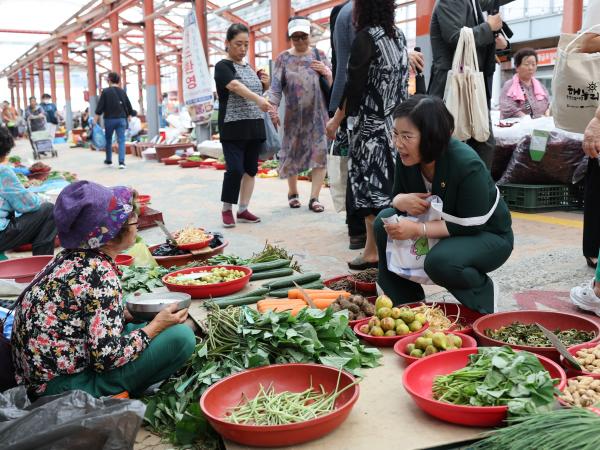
146,306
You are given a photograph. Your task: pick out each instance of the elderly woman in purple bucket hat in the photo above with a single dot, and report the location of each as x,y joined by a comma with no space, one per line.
70,329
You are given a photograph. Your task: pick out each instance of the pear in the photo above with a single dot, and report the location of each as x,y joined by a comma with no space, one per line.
430,350
409,348
402,329
415,325
421,318
384,312
416,353
383,301
440,340
396,313
390,333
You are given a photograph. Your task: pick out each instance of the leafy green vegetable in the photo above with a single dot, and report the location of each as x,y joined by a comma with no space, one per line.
530,334
564,429
145,279
499,376
240,338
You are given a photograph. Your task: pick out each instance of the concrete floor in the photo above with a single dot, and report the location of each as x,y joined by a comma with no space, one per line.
546,263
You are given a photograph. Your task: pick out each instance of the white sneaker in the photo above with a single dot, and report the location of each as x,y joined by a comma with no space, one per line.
122,166
496,294
584,297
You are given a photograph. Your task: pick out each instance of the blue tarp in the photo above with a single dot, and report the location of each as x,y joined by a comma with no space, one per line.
49,186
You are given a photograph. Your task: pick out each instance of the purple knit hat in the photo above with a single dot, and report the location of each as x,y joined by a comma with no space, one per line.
88,215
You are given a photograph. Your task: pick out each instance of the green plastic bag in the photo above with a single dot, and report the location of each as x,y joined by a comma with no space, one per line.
142,255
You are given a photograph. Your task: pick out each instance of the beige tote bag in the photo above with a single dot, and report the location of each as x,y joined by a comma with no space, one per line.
575,84
465,94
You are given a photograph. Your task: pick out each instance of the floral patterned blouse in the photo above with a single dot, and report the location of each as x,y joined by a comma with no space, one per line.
72,320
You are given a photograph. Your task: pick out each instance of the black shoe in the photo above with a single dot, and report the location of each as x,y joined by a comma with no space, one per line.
108,163
590,262
359,263
357,242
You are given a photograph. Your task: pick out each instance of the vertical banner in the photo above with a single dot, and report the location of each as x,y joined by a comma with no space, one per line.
197,83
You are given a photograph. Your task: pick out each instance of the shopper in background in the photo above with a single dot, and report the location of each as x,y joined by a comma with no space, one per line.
10,118
343,34
296,76
523,95
52,115
24,218
134,128
164,110
241,124
377,82
116,107
447,19
35,116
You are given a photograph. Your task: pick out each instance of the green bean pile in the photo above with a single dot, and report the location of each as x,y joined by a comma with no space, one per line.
271,408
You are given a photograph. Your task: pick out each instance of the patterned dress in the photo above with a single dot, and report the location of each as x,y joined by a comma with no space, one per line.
304,143
372,153
72,321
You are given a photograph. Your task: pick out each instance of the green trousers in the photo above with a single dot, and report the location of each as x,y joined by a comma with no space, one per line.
166,353
457,263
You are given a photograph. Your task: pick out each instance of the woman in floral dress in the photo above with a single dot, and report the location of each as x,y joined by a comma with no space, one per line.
377,83
296,76
70,328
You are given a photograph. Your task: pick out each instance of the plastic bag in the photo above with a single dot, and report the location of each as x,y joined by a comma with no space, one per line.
272,144
98,138
74,420
141,253
564,153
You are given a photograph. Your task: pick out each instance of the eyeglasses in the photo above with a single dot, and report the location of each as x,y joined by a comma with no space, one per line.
297,38
405,138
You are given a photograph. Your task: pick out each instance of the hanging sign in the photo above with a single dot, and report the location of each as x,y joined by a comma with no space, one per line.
197,83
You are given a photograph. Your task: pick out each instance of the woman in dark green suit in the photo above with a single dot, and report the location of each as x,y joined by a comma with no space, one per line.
433,163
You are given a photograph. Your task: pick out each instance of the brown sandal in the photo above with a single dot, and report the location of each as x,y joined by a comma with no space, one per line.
293,201
315,206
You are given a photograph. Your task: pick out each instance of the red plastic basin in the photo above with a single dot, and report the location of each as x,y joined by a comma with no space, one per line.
228,392
383,341
195,245
23,270
571,371
187,164
209,290
549,319
124,260
182,260
400,346
142,198
418,381
366,287
453,311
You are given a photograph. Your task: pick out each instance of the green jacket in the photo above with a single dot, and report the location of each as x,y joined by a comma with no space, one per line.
465,186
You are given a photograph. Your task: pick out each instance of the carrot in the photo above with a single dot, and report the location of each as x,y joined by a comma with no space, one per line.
317,293
278,305
296,310
323,303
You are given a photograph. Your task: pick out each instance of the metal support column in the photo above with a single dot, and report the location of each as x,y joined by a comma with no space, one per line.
140,88
200,8
67,83
32,81
150,62
52,75
91,73
252,49
11,86
281,10
572,16
18,104
424,10
40,66
115,54
24,77
180,80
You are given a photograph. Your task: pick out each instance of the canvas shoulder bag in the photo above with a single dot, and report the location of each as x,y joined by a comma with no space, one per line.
465,95
575,83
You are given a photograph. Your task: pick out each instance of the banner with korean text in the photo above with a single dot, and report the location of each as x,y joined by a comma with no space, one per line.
197,82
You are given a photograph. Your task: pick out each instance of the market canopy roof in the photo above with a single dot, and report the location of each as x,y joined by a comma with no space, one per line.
91,17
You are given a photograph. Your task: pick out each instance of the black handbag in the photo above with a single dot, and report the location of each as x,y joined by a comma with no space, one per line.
323,83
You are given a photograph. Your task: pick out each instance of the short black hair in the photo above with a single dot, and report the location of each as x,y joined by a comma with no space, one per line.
435,123
522,54
46,96
235,29
6,142
133,113
114,78
32,98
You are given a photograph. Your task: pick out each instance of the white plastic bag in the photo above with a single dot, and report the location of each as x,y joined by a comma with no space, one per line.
406,258
337,172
